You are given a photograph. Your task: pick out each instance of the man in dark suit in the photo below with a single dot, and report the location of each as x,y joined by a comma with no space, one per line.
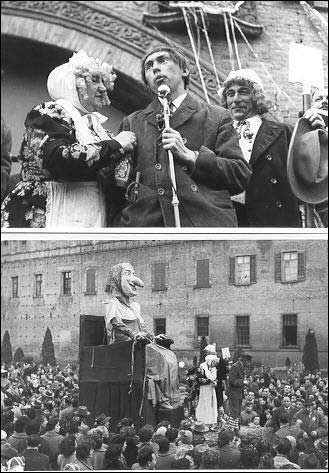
286,409
34,460
268,200
209,166
234,390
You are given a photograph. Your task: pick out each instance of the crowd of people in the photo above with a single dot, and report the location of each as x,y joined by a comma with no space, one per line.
283,424
228,168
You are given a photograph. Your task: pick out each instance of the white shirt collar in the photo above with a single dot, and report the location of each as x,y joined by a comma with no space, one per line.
177,102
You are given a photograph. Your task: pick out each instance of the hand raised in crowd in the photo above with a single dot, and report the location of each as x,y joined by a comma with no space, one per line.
127,140
173,141
314,118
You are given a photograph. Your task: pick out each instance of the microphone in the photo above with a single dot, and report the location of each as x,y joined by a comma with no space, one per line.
163,91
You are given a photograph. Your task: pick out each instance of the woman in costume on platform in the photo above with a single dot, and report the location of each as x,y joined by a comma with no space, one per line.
206,410
66,151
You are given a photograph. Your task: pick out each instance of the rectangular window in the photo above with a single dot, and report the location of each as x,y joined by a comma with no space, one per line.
37,285
290,266
159,326
242,326
14,283
90,281
202,273
202,328
66,275
289,330
242,270
159,277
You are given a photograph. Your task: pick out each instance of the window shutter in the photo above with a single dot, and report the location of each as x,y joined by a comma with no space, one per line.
159,276
232,271
277,267
90,281
252,268
301,266
202,273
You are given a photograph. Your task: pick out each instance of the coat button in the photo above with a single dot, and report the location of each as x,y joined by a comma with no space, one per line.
279,204
158,166
269,157
273,180
184,168
161,191
194,188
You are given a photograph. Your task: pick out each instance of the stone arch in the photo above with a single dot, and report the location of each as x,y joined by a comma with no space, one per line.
101,32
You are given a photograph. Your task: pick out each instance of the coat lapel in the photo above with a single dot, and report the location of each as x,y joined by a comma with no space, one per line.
267,134
188,107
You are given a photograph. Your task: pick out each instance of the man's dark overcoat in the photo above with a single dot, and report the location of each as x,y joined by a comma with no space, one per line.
204,192
269,199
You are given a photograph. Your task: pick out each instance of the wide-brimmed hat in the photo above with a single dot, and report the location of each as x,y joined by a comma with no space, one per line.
307,163
199,426
82,411
211,349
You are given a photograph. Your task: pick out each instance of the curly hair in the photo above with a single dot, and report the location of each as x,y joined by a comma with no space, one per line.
263,104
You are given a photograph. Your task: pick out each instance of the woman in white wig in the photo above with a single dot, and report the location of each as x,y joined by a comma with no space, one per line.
65,150
206,410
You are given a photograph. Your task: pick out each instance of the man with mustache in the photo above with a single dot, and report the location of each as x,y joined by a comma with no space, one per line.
209,166
268,200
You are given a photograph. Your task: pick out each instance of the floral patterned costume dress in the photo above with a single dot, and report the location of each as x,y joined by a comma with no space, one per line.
60,177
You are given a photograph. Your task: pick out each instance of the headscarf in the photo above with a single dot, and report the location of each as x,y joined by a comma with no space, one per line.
62,87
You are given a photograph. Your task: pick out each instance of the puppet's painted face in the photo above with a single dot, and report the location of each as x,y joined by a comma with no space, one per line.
129,282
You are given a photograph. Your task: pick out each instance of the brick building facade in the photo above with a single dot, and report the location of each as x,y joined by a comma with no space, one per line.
263,295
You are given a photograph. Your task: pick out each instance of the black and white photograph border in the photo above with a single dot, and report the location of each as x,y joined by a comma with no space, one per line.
263,296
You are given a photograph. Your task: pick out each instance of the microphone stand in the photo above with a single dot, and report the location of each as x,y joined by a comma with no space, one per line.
175,201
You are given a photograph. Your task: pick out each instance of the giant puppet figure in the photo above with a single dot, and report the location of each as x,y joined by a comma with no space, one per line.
124,322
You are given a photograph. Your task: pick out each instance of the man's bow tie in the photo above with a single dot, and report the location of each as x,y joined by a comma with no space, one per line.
243,130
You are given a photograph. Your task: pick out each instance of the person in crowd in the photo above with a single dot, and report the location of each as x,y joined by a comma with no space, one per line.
313,423
145,435
210,460
165,458
130,453
206,410
247,414
249,458
281,459
66,154
234,389
83,455
266,462
229,454
34,460
268,200
184,443
194,457
53,439
172,435
18,439
66,450
285,408
208,163
7,451
98,448
146,459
